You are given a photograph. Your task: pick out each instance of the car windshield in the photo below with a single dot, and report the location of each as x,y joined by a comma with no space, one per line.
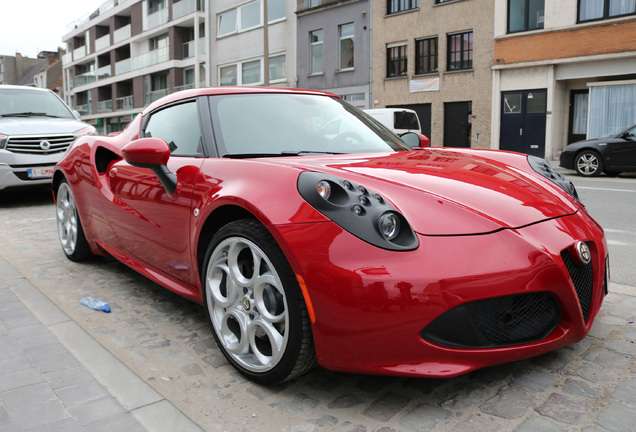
293,124
30,103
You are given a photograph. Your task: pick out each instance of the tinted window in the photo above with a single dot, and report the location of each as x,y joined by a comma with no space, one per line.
177,125
405,120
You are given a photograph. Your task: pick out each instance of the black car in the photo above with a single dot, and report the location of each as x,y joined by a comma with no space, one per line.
612,155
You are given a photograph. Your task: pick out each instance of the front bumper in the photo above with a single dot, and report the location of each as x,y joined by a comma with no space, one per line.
372,305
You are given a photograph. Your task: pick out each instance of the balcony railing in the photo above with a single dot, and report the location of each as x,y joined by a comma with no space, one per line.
84,79
202,49
124,103
103,72
84,109
151,58
102,43
156,19
184,87
187,49
123,66
67,58
154,95
105,106
122,33
186,7
80,52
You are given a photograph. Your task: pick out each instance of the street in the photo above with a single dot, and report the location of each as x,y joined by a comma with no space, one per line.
166,341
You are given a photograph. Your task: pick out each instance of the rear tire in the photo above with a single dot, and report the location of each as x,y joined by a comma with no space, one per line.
69,226
255,306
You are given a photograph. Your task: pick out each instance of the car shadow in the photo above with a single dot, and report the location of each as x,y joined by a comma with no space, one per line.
26,197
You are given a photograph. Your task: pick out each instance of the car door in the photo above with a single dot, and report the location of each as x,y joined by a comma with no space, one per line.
623,152
153,226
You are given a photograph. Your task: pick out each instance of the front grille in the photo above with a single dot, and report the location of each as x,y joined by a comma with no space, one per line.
33,144
496,322
582,276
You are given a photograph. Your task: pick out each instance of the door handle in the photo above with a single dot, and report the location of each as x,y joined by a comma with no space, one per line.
521,132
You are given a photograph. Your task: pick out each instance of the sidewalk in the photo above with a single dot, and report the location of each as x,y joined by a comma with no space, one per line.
55,377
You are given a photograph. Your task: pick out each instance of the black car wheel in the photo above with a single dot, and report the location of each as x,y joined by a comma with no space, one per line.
588,163
255,306
69,226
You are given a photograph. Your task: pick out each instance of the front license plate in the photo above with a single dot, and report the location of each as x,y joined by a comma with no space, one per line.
40,173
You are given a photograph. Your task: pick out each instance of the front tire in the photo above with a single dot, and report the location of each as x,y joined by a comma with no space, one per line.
255,306
69,226
588,163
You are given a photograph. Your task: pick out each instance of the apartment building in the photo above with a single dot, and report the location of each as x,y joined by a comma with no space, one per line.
434,56
242,32
129,53
563,70
333,52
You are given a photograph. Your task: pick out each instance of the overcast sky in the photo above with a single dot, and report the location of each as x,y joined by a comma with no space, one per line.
31,26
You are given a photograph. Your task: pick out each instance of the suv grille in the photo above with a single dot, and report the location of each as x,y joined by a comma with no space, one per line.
36,144
583,279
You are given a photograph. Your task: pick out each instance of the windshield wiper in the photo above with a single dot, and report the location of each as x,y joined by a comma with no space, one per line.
29,114
299,152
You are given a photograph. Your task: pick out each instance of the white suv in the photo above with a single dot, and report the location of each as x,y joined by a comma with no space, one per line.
36,128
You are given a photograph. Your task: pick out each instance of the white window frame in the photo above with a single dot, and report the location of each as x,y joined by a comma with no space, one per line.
278,80
353,42
239,71
238,13
311,56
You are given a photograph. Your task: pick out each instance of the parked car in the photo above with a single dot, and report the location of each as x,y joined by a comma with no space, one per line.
399,121
344,248
612,155
36,128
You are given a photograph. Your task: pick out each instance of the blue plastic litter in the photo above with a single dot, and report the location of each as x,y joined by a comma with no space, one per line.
95,304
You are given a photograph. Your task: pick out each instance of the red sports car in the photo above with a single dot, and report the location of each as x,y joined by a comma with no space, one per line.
313,235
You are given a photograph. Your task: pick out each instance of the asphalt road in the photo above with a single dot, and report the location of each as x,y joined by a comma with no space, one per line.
612,202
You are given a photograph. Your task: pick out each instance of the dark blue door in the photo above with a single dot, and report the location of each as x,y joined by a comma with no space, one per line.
523,119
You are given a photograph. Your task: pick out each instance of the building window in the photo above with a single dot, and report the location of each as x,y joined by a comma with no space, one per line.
395,6
425,56
355,99
460,51
443,1
525,15
590,10
277,68
396,65
243,73
315,48
346,45
249,16
155,6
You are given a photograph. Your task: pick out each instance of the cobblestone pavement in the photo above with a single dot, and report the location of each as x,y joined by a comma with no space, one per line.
165,340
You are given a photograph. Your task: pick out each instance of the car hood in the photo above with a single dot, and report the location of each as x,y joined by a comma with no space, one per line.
39,125
448,192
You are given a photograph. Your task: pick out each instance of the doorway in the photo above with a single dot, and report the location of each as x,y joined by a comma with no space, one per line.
458,124
523,120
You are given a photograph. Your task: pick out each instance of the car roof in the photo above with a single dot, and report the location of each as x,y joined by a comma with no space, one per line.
227,90
19,87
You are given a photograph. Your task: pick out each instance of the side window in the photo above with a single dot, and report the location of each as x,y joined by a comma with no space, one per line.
177,125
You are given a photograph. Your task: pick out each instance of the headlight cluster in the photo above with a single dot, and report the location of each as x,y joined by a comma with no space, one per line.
90,130
363,213
544,168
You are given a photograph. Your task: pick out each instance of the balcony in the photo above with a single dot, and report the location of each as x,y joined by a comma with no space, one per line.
122,33
187,49
186,7
151,58
103,72
202,49
154,95
67,58
102,43
184,87
156,19
86,78
84,109
123,66
80,52
124,103
105,106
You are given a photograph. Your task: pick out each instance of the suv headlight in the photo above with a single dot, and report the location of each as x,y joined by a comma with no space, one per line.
544,168
3,141
363,213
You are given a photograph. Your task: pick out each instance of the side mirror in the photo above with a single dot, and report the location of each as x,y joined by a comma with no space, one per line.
415,140
152,153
